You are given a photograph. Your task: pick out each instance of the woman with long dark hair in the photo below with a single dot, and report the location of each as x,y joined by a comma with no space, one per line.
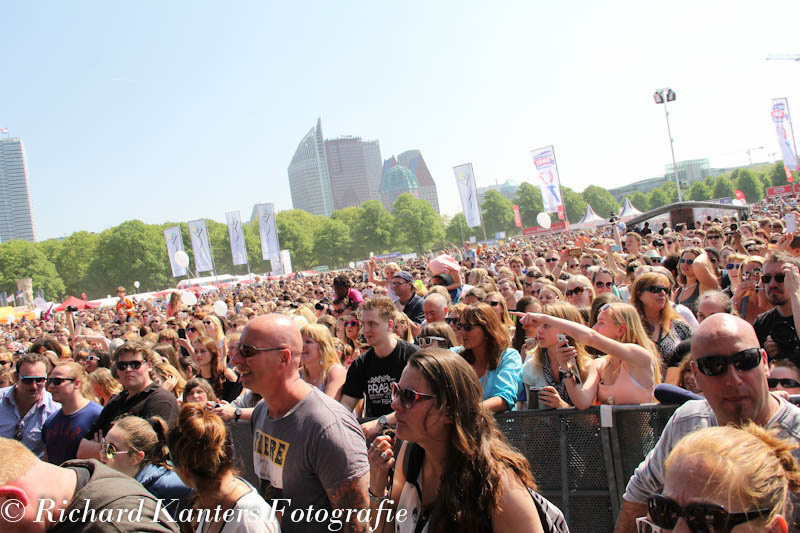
455,471
223,380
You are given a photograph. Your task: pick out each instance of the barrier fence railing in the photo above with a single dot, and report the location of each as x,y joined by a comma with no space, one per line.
581,460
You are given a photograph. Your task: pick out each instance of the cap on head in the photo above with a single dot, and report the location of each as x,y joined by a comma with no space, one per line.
405,275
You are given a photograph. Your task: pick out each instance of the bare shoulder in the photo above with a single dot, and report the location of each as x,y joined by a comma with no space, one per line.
516,510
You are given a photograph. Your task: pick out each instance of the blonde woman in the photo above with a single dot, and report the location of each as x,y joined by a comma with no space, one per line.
549,294
630,371
747,479
749,299
170,378
213,328
498,304
320,362
104,385
546,367
402,327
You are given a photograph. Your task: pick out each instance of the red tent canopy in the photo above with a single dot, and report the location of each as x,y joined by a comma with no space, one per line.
77,302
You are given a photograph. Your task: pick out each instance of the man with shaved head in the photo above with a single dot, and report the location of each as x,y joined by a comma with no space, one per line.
308,450
731,369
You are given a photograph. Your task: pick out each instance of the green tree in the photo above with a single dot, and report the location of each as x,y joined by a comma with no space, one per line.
699,192
498,213
750,185
601,201
295,233
373,229
574,204
50,248
456,230
776,175
332,243
639,201
22,259
671,192
723,188
76,253
347,216
657,198
529,200
132,251
417,224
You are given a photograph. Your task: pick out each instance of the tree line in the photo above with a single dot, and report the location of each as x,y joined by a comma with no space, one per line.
96,263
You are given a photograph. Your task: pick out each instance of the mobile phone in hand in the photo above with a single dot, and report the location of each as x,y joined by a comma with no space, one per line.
791,222
571,363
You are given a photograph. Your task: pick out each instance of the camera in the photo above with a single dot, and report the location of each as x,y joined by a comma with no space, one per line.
72,309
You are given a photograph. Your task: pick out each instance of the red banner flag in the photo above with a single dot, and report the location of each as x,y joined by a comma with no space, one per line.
517,217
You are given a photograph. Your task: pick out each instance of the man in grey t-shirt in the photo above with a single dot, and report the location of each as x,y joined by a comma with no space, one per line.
732,397
308,450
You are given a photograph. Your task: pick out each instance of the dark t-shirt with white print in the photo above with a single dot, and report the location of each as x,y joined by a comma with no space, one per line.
371,377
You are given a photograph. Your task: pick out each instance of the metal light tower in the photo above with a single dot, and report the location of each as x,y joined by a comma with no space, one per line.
662,96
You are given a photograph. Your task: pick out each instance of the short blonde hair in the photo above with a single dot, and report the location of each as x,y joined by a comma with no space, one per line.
754,465
18,460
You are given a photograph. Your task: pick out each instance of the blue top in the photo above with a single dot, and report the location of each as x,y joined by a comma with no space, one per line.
504,381
31,423
62,433
164,484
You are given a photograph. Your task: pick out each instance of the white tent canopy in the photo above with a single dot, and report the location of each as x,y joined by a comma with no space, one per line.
628,211
590,219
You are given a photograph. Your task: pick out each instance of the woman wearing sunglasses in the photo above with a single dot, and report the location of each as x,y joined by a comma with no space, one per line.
696,274
496,301
320,362
212,327
732,264
486,345
746,476
664,326
455,471
352,330
437,335
137,447
96,359
749,300
579,291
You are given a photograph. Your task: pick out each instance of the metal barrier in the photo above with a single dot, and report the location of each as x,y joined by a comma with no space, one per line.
579,464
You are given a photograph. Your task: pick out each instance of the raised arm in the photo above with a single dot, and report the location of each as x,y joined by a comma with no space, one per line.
704,271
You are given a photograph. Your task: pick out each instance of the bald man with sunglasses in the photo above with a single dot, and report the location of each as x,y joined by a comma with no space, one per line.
731,370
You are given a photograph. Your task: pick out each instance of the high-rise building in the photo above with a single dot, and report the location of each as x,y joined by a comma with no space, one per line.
427,187
351,168
308,175
397,180
372,157
423,186
16,216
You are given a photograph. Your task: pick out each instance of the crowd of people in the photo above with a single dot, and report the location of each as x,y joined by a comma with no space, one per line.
371,391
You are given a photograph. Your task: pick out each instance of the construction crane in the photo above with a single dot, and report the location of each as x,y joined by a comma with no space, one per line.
784,57
750,150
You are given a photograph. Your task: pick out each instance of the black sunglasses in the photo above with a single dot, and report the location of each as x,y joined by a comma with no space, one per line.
689,261
655,289
408,397
577,291
29,380
337,311
717,365
18,431
465,326
670,242
552,260
451,320
600,284
191,328
766,278
493,304
133,365
351,323
731,266
700,517
786,383
527,284
247,350
715,237
58,381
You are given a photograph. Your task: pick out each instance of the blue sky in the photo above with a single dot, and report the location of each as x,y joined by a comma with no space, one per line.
180,110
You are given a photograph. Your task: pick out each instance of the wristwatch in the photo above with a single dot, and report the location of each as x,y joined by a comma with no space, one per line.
384,421
567,374
237,414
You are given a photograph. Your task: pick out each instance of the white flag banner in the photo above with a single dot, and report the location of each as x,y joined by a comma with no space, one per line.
465,179
236,234
269,235
783,127
286,262
544,160
200,246
174,244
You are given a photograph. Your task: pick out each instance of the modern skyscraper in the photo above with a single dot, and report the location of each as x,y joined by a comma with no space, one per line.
397,180
351,163
308,175
16,218
372,157
427,187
